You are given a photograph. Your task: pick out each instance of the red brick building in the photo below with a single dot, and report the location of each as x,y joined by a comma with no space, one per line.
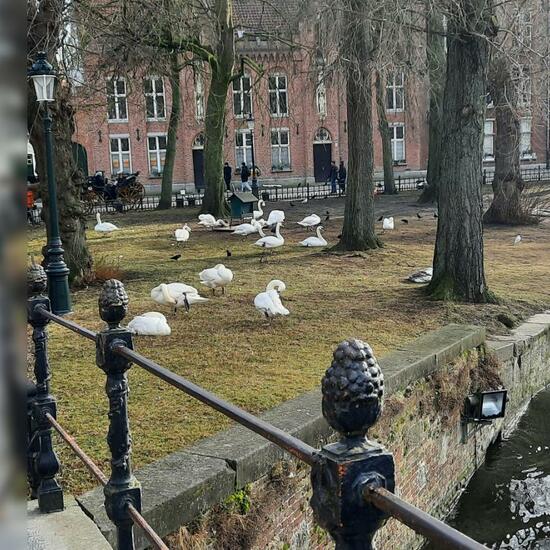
300,123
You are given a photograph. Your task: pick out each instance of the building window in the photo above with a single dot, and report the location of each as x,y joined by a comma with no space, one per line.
121,161
199,96
398,143
242,96
280,150
243,147
322,136
154,99
395,92
525,149
117,105
278,95
156,145
488,140
522,78
321,98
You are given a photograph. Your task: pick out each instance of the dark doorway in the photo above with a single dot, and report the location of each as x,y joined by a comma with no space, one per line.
322,155
198,167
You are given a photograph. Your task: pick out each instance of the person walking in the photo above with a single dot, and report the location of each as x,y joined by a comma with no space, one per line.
245,174
227,173
333,176
342,175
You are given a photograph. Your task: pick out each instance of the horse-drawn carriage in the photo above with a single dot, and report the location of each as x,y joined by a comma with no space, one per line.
123,193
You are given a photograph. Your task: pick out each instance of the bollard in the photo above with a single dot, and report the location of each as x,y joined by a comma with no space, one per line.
352,402
43,461
122,488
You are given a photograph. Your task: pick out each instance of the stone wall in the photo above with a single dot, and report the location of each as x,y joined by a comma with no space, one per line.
236,491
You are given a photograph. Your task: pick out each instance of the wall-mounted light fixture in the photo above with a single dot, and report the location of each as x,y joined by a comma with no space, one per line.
138,136
263,128
297,129
99,137
482,408
345,126
226,133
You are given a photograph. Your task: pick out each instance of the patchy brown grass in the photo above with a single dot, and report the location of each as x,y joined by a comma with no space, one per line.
228,348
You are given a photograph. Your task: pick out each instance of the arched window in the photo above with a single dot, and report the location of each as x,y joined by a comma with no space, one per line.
198,142
322,136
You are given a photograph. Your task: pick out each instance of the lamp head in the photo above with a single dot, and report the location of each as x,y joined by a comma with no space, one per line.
43,77
250,121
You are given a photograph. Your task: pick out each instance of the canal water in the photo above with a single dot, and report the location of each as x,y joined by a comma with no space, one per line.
506,505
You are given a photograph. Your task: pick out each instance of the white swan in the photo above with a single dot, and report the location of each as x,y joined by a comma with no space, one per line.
310,221
247,228
104,227
182,234
218,276
150,324
387,223
270,241
269,302
176,295
319,240
207,220
275,216
257,214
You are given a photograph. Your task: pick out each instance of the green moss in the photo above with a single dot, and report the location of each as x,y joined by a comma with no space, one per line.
239,501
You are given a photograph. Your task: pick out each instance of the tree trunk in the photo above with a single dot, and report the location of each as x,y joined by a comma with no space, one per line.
221,73
506,207
358,229
436,59
171,137
458,260
385,136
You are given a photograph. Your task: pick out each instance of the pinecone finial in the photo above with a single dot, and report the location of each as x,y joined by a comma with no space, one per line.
113,303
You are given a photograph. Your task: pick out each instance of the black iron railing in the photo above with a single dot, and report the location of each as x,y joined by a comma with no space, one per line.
352,480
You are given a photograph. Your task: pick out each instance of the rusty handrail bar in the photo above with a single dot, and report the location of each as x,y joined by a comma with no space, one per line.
87,333
289,443
102,478
419,521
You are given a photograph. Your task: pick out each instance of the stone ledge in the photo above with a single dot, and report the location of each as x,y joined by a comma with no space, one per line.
178,487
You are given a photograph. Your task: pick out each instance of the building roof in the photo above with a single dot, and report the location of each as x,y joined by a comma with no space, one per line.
244,197
265,16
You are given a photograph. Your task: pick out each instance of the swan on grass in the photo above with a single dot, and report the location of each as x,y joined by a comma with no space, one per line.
269,302
275,216
104,227
387,224
245,229
319,240
270,241
310,221
257,214
176,295
207,220
182,234
215,277
150,324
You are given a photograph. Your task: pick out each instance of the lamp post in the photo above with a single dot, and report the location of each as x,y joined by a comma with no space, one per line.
250,122
43,77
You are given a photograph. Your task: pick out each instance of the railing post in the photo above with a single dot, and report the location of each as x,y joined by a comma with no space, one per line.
33,443
45,464
352,401
122,488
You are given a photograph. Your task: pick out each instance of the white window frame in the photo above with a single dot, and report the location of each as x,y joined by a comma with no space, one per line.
120,152
247,149
155,94
117,98
279,147
392,88
394,141
241,93
157,153
522,80
489,157
198,85
526,154
278,94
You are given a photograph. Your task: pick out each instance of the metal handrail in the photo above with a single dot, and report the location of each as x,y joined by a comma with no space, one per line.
90,334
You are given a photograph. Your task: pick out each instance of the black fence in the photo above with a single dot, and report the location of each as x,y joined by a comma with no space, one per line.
353,480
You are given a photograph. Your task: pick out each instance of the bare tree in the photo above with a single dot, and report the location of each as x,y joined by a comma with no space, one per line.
46,31
385,136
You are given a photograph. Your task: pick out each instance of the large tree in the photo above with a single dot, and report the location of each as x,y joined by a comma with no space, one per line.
458,260
385,136
46,22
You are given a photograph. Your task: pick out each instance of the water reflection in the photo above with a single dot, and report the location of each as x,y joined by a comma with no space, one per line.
507,503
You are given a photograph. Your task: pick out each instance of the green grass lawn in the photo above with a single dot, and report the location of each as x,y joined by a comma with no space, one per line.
226,346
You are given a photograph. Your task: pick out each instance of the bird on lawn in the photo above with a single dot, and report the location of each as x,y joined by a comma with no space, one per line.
104,227
176,257
257,214
228,253
152,323
275,216
207,220
310,221
182,234
517,240
418,215
245,229
404,220
218,276
176,295
319,240
270,241
327,217
380,219
388,224
269,302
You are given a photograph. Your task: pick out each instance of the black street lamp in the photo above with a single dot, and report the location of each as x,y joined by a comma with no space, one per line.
43,77
250,122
